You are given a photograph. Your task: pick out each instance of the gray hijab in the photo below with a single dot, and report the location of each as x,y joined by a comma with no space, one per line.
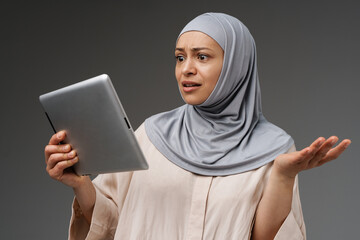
227,134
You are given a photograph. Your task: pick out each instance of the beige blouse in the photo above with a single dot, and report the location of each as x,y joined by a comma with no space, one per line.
169,203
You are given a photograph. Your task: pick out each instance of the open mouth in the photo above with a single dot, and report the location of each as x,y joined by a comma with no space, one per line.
191,85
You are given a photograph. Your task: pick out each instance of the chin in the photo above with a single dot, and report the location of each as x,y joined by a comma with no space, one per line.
192,101
193,98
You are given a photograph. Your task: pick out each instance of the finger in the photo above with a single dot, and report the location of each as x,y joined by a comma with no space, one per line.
51,149
335,152
310,151
57,138
58,171
58,157
317,143
327,145
302,156
313,148
322,151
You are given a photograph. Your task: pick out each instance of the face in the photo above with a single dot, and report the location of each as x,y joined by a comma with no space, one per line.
199,60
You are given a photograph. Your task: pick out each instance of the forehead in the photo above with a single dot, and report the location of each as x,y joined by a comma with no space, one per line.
196,39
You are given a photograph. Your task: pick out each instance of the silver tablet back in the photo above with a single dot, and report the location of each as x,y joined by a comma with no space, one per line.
96,125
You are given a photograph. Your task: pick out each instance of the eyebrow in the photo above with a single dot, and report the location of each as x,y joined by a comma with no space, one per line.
195,49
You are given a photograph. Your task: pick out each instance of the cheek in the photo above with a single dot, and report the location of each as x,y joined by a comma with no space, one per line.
177,74
216,73
213,77
212,85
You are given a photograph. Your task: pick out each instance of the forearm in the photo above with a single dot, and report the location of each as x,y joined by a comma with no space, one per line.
274,206
85,196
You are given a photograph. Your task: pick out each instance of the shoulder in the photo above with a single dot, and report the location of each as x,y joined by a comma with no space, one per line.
140,130
141,135
144,141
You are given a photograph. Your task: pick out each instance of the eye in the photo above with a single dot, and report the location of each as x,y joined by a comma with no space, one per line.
202,57
179,58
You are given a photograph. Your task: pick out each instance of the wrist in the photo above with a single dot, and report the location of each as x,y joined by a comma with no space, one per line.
85,195
283,176
81,183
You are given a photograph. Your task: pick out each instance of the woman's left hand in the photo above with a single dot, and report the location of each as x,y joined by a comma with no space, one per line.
319,152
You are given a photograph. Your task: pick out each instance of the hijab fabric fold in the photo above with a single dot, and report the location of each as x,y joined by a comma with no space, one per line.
227,134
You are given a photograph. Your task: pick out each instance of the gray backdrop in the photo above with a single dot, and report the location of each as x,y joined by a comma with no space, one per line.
308,55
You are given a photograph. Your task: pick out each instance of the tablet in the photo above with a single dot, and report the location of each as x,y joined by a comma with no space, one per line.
96,126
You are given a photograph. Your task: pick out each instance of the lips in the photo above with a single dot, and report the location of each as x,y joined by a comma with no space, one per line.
189,86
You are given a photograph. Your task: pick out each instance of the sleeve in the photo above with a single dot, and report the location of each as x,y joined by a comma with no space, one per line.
293,228
111,190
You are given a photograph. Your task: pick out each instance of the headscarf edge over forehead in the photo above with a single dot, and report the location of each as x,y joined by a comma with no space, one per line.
227,134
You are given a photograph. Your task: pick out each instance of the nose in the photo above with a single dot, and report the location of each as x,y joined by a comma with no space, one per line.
188,67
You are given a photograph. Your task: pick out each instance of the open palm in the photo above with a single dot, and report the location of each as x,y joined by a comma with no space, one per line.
319,152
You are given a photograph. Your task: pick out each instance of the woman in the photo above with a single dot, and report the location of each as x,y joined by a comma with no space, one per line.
212,173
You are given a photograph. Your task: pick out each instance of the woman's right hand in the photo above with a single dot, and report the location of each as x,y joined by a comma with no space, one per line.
59,159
